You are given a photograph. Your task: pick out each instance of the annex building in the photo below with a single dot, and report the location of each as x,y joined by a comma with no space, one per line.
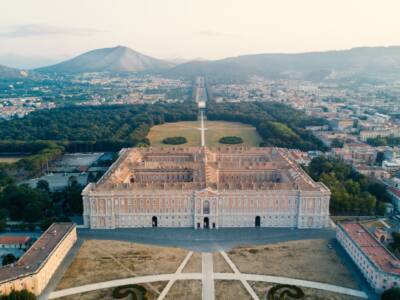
36,267
379,266
203,188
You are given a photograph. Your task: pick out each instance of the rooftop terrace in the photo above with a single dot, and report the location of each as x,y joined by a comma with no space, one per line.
198,167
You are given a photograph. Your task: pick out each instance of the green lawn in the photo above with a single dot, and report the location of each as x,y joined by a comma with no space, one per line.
215,130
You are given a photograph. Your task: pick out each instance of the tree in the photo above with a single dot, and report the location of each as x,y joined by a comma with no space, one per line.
36,204
352,192
43,185
9,259
19,295
3,218
73,197
336,143
379,158
391,294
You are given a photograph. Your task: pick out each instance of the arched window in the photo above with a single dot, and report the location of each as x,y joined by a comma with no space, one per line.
206,207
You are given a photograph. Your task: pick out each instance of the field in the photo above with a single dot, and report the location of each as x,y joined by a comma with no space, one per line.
10,159
215,130
305,259
102,260
262,288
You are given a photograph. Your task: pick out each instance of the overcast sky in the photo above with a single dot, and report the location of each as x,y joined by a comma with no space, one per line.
56,29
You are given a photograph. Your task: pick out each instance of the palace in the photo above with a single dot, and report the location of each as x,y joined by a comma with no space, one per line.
203,188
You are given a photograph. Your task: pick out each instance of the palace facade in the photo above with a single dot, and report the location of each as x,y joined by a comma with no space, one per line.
202,188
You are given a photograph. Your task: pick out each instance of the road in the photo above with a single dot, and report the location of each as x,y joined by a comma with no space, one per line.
206,240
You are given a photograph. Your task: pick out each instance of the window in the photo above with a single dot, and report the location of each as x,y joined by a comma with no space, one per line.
206,207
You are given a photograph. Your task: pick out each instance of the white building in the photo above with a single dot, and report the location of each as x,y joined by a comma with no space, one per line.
201,188
378,265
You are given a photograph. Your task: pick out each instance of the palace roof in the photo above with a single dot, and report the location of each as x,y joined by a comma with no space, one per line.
196,168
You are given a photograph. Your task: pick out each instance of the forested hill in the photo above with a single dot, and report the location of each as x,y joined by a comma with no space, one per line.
108,128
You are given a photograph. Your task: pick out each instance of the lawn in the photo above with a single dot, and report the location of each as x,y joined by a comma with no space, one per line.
102,260
10,159
215,131
305,259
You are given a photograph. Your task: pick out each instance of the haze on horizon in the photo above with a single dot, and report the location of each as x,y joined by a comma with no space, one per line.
46,31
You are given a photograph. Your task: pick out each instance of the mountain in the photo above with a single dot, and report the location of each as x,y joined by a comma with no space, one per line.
11,73
368,62
116,59
26,62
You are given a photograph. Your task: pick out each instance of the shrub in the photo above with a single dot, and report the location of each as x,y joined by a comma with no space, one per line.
231,140
391,294
19,295
175,140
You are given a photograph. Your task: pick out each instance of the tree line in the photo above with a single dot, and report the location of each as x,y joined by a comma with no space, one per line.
352,193
37,205
278,124
46,134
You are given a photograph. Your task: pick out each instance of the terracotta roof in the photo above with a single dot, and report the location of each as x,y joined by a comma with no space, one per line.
394,191
13,240
38,253
371,247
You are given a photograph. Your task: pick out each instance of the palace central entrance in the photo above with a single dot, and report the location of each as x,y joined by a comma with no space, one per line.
206,223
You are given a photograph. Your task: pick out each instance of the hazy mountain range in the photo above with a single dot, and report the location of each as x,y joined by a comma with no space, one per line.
117,59
6,72
368,62
373,61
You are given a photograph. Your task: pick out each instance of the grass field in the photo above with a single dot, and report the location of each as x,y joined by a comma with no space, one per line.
102,260
215,130
10,159
305,259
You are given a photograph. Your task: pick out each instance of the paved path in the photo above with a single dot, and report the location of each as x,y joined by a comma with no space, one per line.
199,276
206,240
172,281
207,267
238,275
202,129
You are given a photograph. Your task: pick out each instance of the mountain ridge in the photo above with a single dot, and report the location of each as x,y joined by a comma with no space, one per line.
305,65
114,59
11,73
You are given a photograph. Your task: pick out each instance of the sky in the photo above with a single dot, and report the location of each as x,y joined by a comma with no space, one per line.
38,32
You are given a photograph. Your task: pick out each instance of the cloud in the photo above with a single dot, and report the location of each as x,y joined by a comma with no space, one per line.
38,30
210,33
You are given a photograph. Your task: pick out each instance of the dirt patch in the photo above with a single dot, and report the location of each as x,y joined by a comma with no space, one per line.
194,264
307,259
102,260
106,294
220,265
185,289
262,288
230,289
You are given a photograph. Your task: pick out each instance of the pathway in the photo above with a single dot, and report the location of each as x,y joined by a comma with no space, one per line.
172,281
202,129
238,275
207,267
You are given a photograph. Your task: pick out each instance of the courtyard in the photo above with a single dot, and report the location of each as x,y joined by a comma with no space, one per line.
244,272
